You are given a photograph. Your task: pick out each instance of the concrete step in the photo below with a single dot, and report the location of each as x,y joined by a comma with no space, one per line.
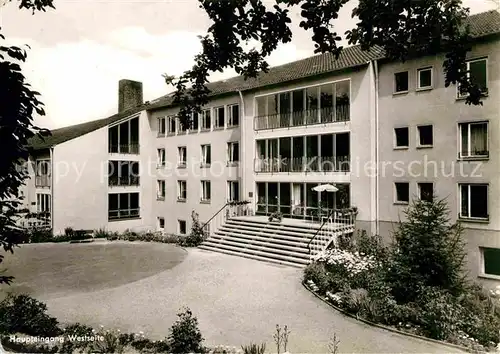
256,228
301,229
251,256
261,253
282,240
263,233
266,244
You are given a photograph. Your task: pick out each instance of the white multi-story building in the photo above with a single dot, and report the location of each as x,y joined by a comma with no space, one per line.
381,132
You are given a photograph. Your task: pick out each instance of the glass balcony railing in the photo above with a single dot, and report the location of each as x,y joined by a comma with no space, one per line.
339,113
42,181
123,181
302,164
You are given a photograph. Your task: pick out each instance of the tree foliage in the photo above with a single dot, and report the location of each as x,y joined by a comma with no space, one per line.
403,28
429,251
19,104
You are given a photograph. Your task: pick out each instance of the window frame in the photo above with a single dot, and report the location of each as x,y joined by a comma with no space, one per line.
171,123
161,155
161,189
472,218
216,122
179,228
231,188
161,132
181,187
181,157
230,155
395,91
482,264
395,141
205,191
459,140
419,145
419,189
419,71
205,155
401,202
460,96
230,118
204,120
161,219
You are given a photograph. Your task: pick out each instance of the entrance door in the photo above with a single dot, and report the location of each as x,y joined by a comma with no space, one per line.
298,200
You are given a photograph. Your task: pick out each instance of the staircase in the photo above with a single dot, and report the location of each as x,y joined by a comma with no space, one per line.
291,242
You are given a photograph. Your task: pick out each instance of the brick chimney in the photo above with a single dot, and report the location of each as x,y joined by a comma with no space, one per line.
129,94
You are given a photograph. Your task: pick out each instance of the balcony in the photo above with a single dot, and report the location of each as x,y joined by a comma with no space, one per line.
124,149
302,164
42,181
341,113
123,214
115,181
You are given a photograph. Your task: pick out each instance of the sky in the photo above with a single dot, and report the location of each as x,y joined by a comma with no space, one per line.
80,50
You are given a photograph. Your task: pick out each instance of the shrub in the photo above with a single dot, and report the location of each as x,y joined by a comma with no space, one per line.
40,234
102,233
371,245
79,330
110,344
317,273
23,347
185,337
197,235
428,251
23,314
354,300
253,348
69,232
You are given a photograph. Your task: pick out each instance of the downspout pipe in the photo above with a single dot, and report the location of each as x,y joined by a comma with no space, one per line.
52,188
243,147
377,151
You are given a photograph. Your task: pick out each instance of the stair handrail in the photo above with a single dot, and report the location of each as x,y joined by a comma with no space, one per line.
353,211
320,228
233,203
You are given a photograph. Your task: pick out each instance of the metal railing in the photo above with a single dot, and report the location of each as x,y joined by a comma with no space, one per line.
338,222
124,149
303,164
123,213
123,181
339,113
226,212
42,181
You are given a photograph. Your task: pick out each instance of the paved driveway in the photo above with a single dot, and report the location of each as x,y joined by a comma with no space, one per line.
237,301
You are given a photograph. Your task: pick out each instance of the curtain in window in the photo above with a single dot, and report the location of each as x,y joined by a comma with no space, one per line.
478,133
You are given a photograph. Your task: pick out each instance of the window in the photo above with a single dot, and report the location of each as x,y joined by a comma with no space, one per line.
205,191
182,128
401,82
402,192
491,261
424,78
233,153
233,115
123,206
426,191
182,156
172,125
473,201
195,122
161,126
402,137
160,190
123,173
181,224
206,158
425,136
42,173
124,137
161,157
181,190
477,72
206,229
43,203
206,120
219,117
473,140
233,191
161,224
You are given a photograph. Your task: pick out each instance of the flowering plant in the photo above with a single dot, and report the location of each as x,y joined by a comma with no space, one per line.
351,263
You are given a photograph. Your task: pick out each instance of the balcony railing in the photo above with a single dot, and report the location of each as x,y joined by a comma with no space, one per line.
123,181
303,164
123,214
341,113
124,149
42,181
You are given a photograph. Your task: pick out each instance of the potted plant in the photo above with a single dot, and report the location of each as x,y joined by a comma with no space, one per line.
276,216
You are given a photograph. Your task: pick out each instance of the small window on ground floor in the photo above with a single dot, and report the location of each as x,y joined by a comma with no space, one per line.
426,191
491,261
161,224
182,227
402,190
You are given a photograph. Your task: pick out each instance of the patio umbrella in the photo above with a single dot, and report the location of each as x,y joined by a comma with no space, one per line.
325,188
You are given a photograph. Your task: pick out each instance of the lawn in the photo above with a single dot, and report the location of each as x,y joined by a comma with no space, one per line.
57,270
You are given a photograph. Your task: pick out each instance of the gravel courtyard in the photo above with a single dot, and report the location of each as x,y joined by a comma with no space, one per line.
236,300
